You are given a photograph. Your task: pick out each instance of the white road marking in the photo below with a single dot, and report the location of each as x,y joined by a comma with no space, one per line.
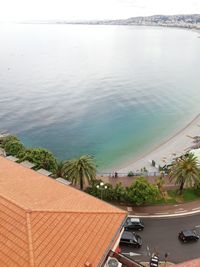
180,211
131,254
196,208
162,213
139,214
166,215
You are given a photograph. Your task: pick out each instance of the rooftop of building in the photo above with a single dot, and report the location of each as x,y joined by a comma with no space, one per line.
46,223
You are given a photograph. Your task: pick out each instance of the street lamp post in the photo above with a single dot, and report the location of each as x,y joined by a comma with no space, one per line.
102,187
166,256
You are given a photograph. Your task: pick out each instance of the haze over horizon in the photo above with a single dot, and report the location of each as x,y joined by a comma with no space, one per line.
12,10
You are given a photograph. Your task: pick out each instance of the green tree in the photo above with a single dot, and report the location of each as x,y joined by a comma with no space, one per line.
59,170
160,181
141,191
80,170
185,171
12,145
42,158
110,193
14,148
130,174
119,192
94,190
10,138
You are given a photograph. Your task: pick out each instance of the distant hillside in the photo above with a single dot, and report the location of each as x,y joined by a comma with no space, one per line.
187,21
166,20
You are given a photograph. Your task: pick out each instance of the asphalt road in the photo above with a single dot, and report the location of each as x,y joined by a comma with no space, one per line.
161,235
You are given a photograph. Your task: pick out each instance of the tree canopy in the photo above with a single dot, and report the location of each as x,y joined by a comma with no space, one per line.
81,170
12,145
185,171
141,191
42,158
59,170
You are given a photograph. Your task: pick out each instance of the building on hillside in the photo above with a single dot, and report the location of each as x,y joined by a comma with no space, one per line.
46,223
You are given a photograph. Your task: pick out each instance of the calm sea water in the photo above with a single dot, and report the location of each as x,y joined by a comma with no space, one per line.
110,91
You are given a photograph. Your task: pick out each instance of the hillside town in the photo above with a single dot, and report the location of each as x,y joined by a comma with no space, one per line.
183,21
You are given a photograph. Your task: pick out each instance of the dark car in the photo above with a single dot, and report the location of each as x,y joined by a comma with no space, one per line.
133,224
130,238
188,236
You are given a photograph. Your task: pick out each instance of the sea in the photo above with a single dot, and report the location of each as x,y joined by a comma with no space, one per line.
113,92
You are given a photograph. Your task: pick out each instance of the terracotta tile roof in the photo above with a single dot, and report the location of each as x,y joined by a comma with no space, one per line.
46,223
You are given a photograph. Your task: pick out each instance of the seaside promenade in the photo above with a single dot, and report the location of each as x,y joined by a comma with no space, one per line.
177,145
127,181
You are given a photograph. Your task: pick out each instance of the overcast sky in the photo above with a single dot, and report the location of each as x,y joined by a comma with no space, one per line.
92,9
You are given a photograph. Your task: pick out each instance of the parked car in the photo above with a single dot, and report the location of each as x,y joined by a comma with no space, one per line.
131,238
188,235
133,224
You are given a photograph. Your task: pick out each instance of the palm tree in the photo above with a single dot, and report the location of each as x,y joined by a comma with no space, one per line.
159,181
185,171
59,170
81,169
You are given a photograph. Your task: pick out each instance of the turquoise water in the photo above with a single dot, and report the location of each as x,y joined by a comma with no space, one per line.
110,91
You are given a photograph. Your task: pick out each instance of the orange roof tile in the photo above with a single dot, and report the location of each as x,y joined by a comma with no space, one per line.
46,223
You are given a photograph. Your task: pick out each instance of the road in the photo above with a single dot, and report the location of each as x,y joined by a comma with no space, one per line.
161,235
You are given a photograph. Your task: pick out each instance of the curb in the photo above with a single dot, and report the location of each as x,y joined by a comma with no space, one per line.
178,213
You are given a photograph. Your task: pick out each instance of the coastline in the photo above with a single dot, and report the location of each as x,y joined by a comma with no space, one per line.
164,152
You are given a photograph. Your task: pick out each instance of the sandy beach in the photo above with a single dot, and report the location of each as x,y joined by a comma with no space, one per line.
165,152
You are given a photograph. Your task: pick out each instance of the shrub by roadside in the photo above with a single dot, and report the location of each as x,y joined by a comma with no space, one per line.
140,192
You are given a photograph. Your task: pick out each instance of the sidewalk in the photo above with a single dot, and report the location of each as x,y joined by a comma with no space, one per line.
192,207
127,181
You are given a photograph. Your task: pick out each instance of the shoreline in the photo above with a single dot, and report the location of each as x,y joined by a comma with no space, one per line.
165,151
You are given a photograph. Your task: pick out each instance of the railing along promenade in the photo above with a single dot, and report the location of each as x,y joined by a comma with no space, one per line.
121,174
